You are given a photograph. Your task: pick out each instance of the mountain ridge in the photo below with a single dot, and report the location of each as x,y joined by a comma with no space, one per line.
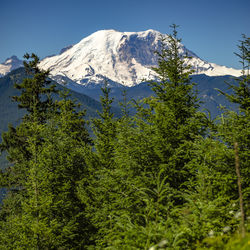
9,111
125,58
10,64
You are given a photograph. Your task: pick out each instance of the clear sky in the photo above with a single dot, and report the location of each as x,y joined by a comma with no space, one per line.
210,28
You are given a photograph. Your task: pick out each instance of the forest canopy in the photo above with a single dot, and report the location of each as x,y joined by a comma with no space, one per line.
167,177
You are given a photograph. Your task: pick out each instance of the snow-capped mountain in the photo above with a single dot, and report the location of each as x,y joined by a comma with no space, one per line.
122,57
9,65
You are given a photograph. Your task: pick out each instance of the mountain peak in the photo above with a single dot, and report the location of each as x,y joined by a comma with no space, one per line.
122,57
10,64
11,60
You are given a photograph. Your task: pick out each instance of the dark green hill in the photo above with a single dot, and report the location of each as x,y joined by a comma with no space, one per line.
10,113
206,86
207,91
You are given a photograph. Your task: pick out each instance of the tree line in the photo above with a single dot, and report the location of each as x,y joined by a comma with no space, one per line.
167,177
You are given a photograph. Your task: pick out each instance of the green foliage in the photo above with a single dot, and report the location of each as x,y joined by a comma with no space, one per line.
35,96
226,242
104,130
173,179
161,179
151,152
234,131
42,208
52,215
241,93
172,121
100,193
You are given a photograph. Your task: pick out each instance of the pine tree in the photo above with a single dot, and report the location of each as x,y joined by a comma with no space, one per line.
101,194
42,209
241,91
173,121
51,214
36,91
153,152
104,130
234,128
36,99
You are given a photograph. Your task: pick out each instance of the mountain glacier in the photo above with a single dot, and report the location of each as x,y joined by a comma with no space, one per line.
125,58
9,65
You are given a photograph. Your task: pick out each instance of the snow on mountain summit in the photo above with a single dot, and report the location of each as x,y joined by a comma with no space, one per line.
9,65
122,57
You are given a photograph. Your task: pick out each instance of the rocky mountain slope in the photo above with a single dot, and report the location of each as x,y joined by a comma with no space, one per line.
124,58
9,65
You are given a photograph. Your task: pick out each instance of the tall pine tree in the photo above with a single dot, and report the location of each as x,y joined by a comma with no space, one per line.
152,155
101,192
42,209
234,129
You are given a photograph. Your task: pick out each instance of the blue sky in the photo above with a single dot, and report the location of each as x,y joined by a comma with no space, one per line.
211,29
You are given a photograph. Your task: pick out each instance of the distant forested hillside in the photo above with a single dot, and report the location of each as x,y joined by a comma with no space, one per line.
9,112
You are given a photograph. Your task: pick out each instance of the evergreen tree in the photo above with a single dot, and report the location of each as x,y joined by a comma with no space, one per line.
36,99
241,91
104,130
42,209
234,128
100,194
173,122
217,201
153,152
51,213
36,91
